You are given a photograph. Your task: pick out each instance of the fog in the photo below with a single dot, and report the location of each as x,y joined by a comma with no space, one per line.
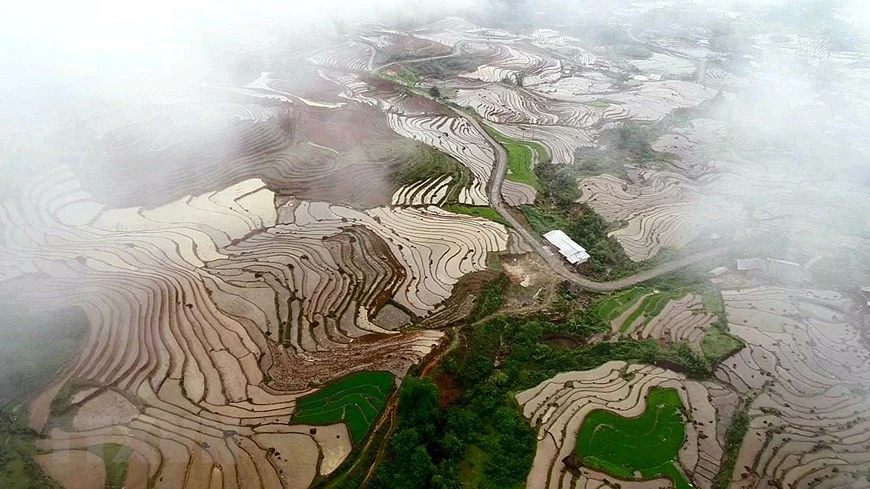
59,59
204,205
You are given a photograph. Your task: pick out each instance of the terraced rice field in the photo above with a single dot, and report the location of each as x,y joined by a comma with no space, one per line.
380,93
571,409
523,93
511,105
211,317
259,269
565,105
646,308
660,209
665,64
434,191
355,400
656,216
347,154
349,56
647,444
648,102
232,256
431,179
392,46
567,46
459,139
806,370
505,62
560,141
675,316
452,30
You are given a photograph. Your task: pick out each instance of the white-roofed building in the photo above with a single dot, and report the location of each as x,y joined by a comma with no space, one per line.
573,252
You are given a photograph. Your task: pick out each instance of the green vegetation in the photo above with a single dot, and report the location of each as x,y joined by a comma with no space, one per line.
18,469
33,348
610,308
426,163
489,299
630,143
519,158
607,258
647,444
733,439
410,463
356,400
115,457
439,68
403,76
634,51
718,344
467,430
560,189
478,211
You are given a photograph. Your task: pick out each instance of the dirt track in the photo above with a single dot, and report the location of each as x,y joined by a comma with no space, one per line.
554,260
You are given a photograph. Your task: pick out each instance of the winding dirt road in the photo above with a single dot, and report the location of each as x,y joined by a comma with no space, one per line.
457,50
496,180
553,259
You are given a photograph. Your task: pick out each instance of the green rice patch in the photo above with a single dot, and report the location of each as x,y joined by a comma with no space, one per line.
718,344
356,400
650,306
477,211
644,447
610,308
520,158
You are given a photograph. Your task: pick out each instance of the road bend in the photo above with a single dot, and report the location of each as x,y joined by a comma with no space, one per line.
554,260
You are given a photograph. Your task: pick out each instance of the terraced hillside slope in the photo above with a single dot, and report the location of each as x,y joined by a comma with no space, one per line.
805,369
571,408
263,259
212,317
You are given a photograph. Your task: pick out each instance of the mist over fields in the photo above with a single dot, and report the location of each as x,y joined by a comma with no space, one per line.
801,100
235,237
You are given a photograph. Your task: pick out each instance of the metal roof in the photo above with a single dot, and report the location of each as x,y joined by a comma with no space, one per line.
568,248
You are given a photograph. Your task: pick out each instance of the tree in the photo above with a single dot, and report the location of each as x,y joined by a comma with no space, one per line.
434,92
418,402
635,138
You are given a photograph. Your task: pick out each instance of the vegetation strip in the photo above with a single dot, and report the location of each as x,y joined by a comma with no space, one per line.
519,158
733,438
477,211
